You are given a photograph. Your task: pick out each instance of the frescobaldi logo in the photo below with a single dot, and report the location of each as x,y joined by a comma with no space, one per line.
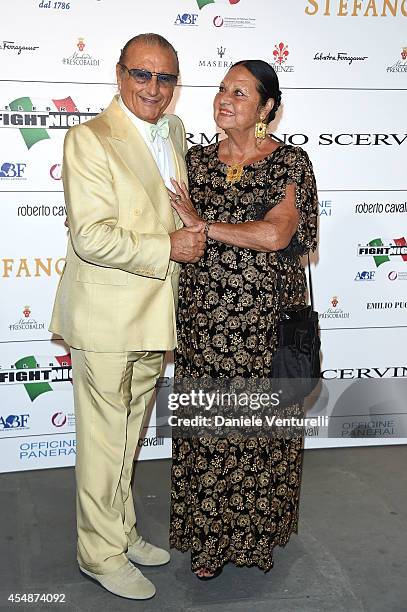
334,312
26,322
381,252
34,123
37,378
81,58
401,64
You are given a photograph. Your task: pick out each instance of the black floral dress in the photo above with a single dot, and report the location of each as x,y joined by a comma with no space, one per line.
235,498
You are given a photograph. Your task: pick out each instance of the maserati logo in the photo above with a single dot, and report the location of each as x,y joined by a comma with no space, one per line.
221,51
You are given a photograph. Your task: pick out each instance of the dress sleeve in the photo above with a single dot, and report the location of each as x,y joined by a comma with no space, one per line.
297,168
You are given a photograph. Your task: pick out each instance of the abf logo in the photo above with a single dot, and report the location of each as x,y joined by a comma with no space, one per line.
13,171
14,421
186,19
365,275
202,3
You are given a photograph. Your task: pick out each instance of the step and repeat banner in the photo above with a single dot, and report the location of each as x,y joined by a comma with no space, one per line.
343,72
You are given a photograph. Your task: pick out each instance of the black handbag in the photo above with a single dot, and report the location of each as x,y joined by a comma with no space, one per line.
296,365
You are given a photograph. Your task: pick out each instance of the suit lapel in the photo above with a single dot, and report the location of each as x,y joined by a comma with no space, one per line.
180,167
134,153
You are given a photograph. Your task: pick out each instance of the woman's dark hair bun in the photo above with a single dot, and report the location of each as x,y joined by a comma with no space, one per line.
267,83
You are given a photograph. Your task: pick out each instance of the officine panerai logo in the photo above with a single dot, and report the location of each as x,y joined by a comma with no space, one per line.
281,53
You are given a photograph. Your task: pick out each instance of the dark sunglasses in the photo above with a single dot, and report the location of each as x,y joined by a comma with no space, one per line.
142,76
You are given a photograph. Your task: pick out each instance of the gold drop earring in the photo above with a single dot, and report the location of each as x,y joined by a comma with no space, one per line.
260,129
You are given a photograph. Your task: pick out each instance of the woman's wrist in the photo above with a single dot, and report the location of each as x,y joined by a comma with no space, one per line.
207,227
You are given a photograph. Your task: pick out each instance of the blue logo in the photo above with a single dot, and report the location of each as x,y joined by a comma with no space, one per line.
12,171
366,275
186,19
325,208
14,421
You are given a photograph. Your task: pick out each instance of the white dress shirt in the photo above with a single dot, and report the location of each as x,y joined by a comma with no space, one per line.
160,148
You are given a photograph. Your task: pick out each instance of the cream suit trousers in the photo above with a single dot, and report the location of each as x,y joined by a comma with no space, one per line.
111,394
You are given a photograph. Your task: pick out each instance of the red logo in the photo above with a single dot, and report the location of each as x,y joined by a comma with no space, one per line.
280,53
335,301
81,44
26,311
58,419
55,172
404,53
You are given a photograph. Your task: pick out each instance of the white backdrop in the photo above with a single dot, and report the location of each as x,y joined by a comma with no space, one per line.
343,70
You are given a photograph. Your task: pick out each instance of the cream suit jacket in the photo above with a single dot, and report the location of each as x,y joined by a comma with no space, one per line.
118,291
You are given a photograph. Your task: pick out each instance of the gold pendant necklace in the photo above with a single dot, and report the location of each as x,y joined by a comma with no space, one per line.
234,173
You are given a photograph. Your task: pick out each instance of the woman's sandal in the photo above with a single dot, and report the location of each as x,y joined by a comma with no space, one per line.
215,574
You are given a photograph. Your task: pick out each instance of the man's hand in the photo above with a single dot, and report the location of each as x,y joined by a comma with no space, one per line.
188,244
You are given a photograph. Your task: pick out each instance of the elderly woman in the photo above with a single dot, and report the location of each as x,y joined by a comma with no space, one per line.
235,498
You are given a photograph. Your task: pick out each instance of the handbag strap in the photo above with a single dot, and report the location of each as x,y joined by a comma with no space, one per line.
311,292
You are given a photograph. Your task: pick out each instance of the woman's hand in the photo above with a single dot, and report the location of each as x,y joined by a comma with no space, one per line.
181,202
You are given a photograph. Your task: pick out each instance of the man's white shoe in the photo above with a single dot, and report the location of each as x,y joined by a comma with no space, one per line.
127,581
147,554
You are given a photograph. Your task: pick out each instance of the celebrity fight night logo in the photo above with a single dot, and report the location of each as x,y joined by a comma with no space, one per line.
202,3
33,122
38,374
382,252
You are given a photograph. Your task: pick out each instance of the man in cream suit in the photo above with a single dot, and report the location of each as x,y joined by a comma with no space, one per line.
116,301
